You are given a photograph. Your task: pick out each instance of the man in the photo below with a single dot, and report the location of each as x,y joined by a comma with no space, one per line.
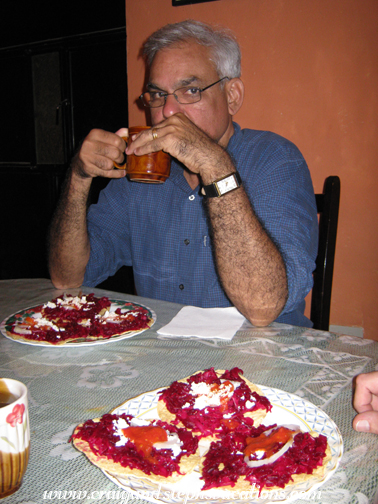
253,247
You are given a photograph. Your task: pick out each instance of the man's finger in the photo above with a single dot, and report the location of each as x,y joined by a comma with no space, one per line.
366,390
366,422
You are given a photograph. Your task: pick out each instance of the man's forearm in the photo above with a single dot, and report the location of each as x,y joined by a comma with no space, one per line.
68,238
68,241
249,264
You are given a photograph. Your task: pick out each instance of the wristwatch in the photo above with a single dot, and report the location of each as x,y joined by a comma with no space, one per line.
222,186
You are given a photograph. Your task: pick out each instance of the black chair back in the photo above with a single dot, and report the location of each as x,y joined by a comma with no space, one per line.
328,210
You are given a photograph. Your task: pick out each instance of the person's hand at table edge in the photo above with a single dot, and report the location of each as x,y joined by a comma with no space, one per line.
365,402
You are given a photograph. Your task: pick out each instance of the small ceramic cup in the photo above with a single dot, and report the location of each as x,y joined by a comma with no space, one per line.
14,435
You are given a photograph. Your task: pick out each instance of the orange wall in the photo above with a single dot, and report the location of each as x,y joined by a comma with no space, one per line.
311,74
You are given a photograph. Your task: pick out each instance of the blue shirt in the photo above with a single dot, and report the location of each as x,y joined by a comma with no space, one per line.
163,233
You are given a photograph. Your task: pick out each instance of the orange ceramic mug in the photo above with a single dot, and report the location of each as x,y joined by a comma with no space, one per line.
153,168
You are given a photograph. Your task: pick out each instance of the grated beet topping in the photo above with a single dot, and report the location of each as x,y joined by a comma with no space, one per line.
101,438
180,402
92,307
69,321
224,463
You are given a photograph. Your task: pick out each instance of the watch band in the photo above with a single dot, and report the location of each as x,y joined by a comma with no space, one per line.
222,186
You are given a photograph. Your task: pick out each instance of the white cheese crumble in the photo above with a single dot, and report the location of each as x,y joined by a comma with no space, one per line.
199,388
138,422
49,304
118,425
74,302
111,316
134,313
42,322
206,397
173,443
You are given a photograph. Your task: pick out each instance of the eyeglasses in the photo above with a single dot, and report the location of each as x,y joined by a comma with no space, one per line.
185,95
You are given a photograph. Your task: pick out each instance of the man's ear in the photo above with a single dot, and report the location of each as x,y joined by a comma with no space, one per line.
235,95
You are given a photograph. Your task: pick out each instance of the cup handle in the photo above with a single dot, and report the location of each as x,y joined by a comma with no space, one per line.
122,166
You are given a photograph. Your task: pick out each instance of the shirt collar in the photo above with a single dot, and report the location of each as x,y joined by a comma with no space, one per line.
235,138
177,177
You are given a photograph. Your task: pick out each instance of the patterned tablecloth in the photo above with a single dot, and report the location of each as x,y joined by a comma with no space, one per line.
68,385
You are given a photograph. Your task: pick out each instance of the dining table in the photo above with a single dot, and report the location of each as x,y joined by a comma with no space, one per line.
70,384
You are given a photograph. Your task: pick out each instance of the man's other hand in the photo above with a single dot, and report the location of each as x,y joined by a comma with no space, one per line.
99,150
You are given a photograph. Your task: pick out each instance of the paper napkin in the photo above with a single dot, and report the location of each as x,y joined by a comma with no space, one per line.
204,323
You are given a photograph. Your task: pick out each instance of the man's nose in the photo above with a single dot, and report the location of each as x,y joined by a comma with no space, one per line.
171,106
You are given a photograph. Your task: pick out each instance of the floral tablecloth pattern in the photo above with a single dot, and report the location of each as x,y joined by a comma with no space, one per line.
69,385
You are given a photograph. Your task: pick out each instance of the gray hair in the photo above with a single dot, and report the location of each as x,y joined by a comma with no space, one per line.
225,51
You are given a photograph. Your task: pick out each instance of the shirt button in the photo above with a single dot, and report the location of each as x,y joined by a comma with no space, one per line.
186,241
181,286
192,197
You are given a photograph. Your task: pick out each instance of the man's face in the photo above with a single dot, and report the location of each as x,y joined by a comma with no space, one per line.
190,64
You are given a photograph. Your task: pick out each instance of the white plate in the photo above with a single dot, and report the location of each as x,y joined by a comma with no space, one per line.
80,342
287,409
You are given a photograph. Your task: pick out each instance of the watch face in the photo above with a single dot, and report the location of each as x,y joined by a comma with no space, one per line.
227,184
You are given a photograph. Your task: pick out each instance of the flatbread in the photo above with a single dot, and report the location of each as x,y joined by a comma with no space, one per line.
70,318
242,484
257,415
186,463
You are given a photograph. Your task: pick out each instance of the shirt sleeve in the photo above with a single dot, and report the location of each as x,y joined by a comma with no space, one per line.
278,182
108,229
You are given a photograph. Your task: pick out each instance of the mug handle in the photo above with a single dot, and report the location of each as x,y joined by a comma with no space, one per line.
123,165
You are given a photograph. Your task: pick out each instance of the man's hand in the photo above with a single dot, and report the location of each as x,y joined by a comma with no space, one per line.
366,403
97,154
182,139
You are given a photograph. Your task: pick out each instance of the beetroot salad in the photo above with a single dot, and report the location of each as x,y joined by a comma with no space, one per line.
206,403
225,462
105,440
